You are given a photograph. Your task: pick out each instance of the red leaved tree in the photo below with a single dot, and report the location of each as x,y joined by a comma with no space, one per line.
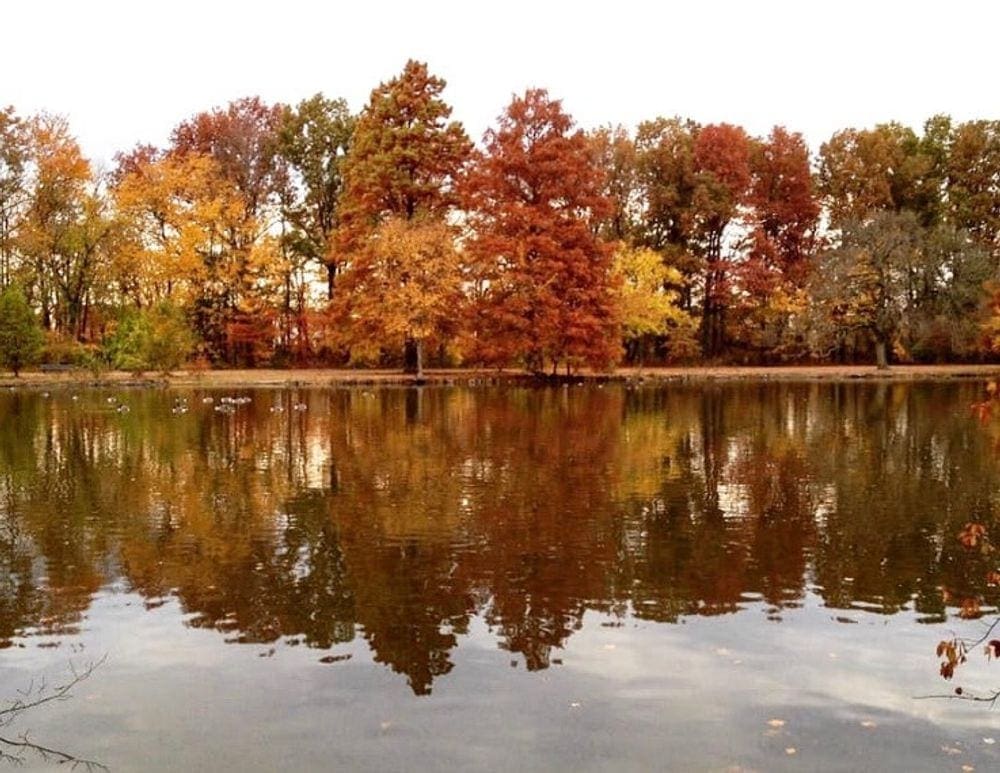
722,167
782,217
542,276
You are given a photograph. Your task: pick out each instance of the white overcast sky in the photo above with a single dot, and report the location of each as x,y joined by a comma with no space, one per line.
125,72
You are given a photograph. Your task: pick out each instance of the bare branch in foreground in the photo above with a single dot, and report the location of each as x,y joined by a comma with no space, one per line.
23,744
13,750
37,696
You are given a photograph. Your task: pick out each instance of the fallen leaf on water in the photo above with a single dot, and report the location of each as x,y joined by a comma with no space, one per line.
868,723
776,722
574,705
950,750
385,725
721,651
609,646
790,750
989,740
968,768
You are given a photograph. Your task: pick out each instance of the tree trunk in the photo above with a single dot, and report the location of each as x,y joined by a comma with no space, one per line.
881,360
409,355
419,346
711,315
331,278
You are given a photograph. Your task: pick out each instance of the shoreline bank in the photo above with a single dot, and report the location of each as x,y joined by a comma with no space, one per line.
318,378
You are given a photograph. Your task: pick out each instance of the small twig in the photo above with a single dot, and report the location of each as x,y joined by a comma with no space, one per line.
991,699
970,644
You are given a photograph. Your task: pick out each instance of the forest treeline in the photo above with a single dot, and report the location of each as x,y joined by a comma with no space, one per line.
304,235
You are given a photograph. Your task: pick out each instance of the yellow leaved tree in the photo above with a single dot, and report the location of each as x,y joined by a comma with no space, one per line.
405,284
648,306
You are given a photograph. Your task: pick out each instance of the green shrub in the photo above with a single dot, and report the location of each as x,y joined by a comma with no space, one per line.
151,339
20,334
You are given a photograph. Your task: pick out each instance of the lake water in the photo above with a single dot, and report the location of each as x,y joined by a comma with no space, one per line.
718,577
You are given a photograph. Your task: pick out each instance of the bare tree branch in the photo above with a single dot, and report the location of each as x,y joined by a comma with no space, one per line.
13,750
33,696
60,757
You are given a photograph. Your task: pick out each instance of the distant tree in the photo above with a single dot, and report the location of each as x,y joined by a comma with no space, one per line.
243,140
891,278
695,181
947,294
784,211
191,241
543,284
647,301
13,187
314,139
402,165
862,282
406,285
722,166
887,168
405,155
973,181
65,228
20,335
667,181
171,340
782,218
614,153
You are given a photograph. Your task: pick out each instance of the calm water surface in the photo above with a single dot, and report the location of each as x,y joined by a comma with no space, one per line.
576,578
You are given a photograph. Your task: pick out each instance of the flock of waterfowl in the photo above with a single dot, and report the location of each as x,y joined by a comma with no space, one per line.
180,406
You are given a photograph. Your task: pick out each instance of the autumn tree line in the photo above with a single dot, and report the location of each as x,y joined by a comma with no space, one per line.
299,235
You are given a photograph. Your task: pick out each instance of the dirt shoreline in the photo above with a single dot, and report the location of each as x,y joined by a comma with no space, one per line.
262,378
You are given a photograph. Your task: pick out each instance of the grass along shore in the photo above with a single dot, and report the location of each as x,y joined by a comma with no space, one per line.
266,377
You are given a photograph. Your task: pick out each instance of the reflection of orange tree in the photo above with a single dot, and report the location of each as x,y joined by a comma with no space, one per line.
238,535
399,457
544,508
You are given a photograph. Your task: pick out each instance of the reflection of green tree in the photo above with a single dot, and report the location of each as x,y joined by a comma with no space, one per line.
403,513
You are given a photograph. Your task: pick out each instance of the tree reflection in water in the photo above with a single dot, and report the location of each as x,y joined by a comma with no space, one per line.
400,515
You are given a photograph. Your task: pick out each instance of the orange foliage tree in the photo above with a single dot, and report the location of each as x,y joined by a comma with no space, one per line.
402,165
237,311
541,276
405,286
